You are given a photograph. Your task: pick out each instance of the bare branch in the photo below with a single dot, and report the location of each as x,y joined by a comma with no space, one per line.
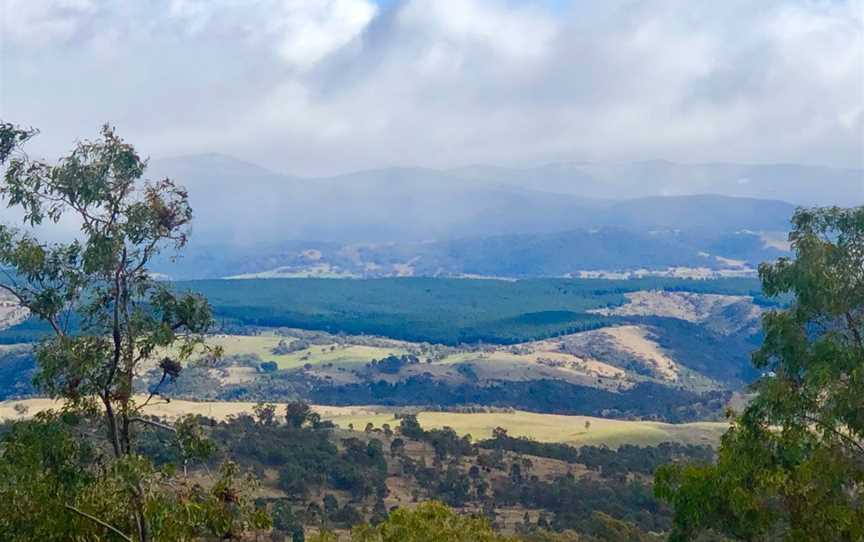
853,327
156,389
849,440
94,519
50,319
153,423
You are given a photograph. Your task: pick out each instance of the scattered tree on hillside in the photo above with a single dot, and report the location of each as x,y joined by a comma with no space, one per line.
298,413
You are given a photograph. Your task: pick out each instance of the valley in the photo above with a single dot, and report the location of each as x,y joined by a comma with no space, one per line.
569,347
431,271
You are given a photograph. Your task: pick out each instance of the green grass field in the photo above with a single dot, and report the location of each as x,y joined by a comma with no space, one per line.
550,427
262,346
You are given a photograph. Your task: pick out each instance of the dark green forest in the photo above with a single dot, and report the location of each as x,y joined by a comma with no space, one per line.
438,310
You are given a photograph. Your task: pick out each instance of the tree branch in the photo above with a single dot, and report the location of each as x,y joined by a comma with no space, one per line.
153,423
156,389
50,319
94,519
842,436
853,327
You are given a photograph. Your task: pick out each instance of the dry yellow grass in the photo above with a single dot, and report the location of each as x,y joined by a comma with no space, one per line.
635,339
549,427
219,410
537,351
541,427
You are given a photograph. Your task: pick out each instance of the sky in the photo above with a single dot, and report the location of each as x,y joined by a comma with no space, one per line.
318,87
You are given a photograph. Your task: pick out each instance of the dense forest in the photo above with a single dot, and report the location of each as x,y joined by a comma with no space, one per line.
436,310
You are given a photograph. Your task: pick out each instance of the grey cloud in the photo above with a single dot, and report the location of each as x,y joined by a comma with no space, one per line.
324,87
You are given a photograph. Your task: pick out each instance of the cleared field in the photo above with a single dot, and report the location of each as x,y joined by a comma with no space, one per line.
540,359
263,345
541,427
219,410
548,427
538,352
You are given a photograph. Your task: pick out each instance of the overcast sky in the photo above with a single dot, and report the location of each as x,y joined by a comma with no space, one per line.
326,86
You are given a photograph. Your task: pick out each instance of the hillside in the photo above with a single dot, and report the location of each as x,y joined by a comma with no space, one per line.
608,251
315,475
412,221
659,349
480,425
440,310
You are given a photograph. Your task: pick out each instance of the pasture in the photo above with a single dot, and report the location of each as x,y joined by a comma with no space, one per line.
263,345
542,427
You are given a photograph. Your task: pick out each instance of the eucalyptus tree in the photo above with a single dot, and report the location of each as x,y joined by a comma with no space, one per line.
110,319
792,465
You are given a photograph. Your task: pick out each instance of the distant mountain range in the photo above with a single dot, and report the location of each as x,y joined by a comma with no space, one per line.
795,183
597,252
544,221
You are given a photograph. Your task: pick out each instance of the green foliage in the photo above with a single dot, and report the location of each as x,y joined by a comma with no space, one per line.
53,475
429,522
792,466
107,317
432,521
41,469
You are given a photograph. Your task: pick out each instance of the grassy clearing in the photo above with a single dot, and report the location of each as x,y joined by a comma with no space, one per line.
218,410
550,427
263,345
541,427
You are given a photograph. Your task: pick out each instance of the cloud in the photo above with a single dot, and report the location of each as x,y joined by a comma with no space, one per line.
323,86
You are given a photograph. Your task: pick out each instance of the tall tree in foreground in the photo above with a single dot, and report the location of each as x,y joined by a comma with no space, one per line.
109,320
792,465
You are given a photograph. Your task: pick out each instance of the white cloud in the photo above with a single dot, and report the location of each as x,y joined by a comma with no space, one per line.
331,85
34,23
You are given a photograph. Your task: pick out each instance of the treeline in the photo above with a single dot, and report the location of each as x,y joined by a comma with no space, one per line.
645,400
17,369
609,463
